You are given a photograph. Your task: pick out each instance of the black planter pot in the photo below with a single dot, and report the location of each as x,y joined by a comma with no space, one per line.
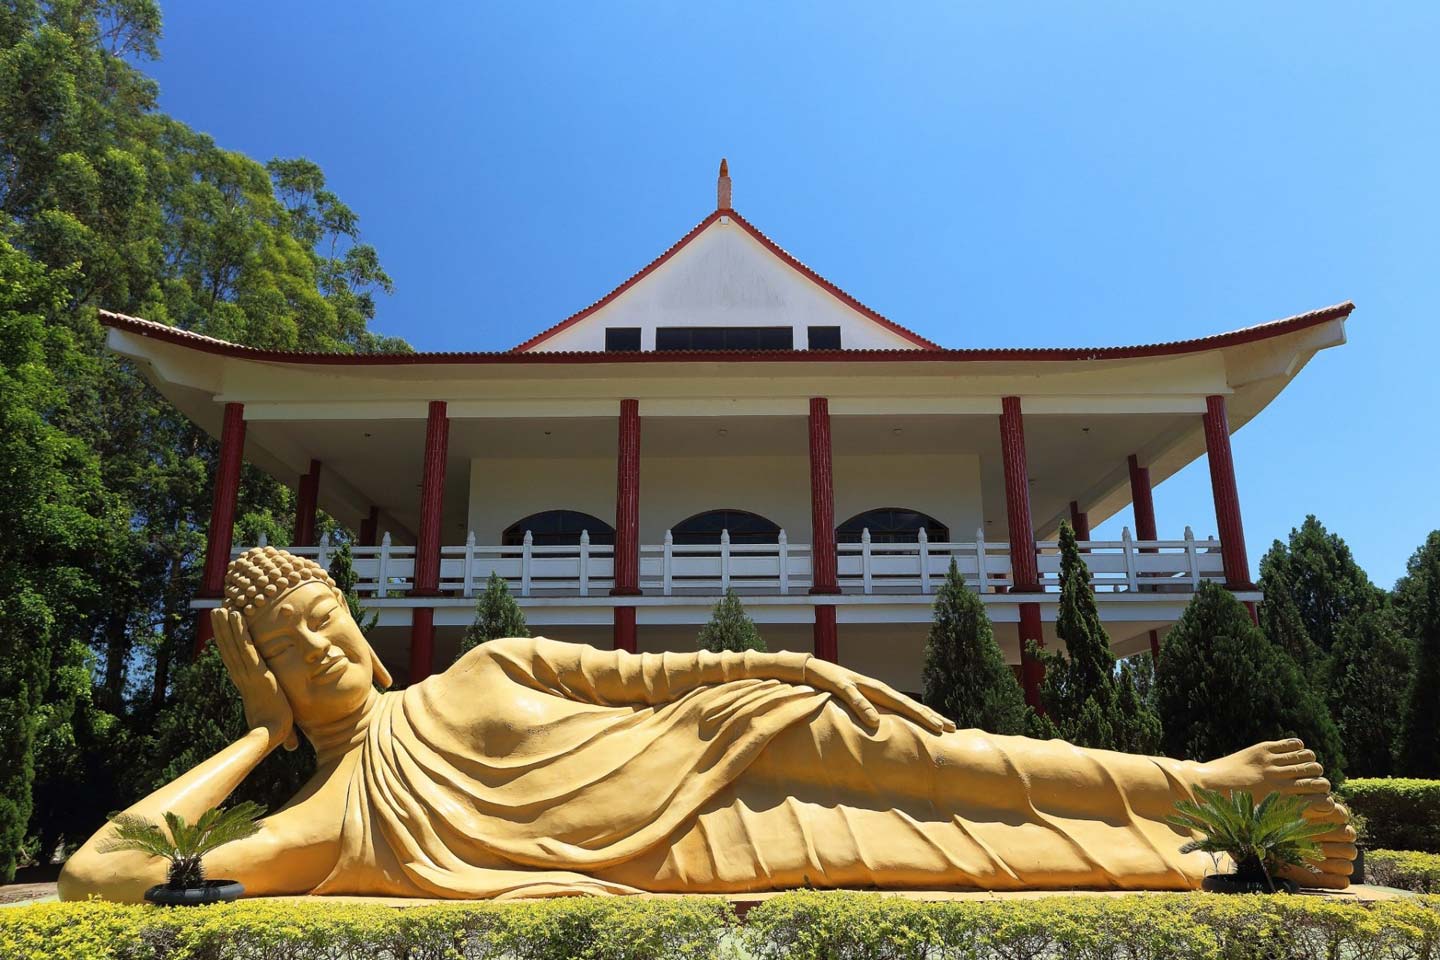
212,891
1358,874
1234,883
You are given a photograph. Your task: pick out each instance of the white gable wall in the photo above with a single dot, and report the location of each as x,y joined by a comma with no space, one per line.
726,278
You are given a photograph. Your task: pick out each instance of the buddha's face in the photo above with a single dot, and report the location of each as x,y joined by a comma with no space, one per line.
316,652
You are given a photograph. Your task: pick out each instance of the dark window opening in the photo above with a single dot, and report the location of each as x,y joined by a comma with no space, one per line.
558,528
824,338
724,338
744,527
892,525
622,339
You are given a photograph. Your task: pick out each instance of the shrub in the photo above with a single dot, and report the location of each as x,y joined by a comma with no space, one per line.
829,926
806,925
497,616
1406,869
1399,814
729,628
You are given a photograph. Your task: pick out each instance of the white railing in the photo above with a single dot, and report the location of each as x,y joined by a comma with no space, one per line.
780,568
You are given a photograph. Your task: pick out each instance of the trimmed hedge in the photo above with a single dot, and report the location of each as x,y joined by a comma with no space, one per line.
795,926
1399,814
1405,869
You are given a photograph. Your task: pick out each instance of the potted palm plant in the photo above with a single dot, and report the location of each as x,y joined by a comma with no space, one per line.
185,846
1258,838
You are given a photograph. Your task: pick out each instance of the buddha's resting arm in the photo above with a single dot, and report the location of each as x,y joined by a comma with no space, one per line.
585,673
124,875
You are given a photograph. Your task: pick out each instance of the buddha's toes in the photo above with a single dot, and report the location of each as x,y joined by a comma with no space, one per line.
1286,767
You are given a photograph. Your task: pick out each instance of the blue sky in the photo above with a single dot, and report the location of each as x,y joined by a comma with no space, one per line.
999,174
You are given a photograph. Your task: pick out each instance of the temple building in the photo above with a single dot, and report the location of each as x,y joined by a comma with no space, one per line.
728,418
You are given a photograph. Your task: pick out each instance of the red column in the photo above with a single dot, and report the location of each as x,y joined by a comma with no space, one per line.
1025,571
627,523
1079,521
822,500
427,543
369,527
625,630
627,502
306,503
824,574
1227,497
1143,500
1155,647
827,635
222,514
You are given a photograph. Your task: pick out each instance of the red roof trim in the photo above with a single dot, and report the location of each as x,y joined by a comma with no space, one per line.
765,241
1264,331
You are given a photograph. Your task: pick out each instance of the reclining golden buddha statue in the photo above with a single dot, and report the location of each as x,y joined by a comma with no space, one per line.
533,767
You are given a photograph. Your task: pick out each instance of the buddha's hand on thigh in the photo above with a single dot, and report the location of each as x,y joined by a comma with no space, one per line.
266,707
867,697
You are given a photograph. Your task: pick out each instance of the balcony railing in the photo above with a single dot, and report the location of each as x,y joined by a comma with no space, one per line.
777,569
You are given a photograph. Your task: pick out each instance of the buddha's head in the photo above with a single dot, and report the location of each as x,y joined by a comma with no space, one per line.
302,628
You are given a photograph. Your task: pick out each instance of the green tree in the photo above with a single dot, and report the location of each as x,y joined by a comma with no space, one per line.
730,628
1221,686
497,615
966,677
133,211
1368,675
1417,597
1323,611
1318,574
1090,700
53,516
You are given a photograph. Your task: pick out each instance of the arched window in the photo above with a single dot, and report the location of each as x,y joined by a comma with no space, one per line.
892,525
557,528
744,527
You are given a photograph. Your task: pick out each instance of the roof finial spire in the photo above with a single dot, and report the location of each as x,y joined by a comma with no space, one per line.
722,187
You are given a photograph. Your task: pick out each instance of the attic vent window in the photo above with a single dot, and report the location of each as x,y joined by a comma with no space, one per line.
622,339
824,338
724,338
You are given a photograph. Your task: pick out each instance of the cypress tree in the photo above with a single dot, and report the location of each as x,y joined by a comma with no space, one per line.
1319,574
1418,597
497,615
1222,686
1088,700
1280,619
342,571
1322,610
730,628
1368,675
965,676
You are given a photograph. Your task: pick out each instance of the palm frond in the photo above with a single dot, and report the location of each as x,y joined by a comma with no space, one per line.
1272,833
181,842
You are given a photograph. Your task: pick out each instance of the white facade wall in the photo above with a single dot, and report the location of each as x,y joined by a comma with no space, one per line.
946,486
726,278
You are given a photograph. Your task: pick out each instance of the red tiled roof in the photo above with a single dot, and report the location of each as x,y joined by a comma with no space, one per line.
160,331
770,245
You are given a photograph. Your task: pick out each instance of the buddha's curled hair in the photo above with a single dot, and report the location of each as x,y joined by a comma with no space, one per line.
261,574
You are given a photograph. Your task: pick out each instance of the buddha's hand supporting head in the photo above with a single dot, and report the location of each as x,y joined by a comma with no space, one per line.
290,645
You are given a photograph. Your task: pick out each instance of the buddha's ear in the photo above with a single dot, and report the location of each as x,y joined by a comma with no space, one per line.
381,675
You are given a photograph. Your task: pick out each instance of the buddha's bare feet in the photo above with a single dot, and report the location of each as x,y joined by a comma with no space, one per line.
1285,766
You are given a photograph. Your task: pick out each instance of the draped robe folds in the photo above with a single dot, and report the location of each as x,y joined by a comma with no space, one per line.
535,768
